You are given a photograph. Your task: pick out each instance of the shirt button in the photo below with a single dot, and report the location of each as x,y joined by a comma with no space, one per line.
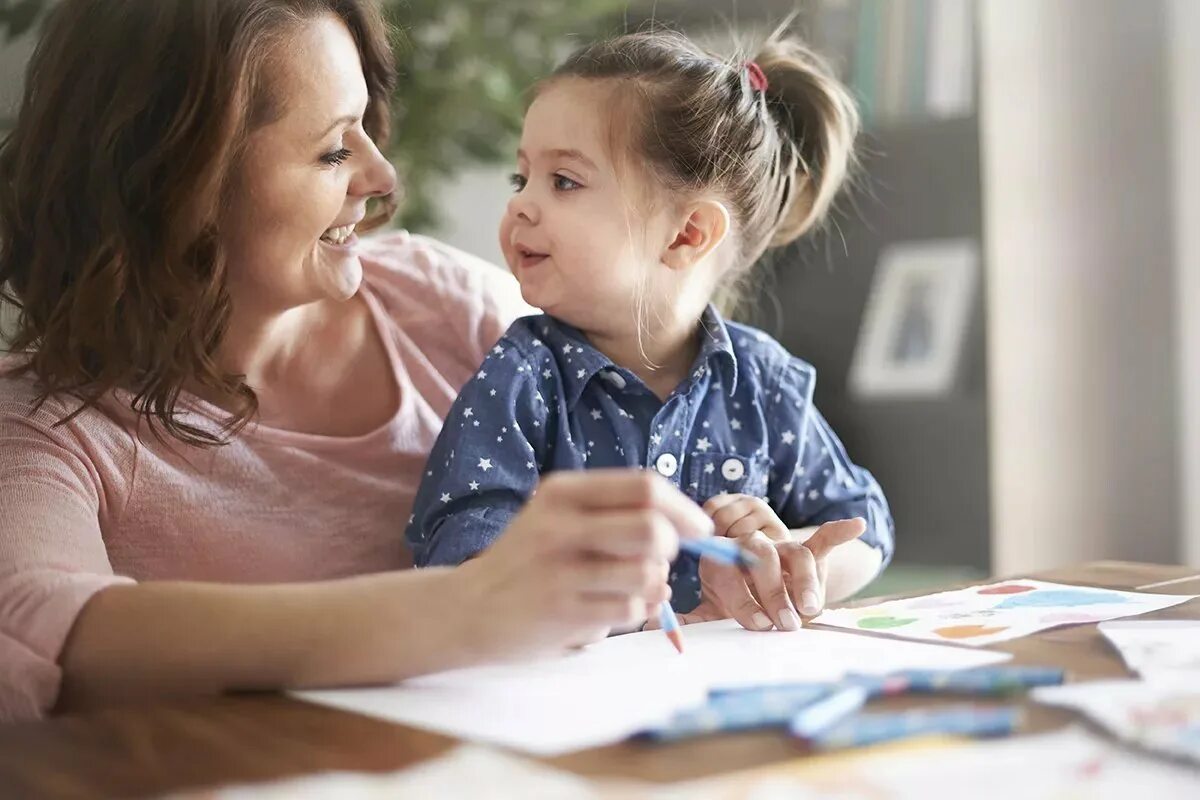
614,378
732,469
666,464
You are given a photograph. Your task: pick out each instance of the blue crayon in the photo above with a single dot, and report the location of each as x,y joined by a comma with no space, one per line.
718,548
981,681
867,729
815,719
740,710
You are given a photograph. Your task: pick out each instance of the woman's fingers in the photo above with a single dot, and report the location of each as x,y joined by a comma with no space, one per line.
628,489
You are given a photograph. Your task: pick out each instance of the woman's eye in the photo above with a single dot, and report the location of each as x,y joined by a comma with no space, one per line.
517,181
564,184
336,157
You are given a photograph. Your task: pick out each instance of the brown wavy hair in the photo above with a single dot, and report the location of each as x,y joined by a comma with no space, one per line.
111,184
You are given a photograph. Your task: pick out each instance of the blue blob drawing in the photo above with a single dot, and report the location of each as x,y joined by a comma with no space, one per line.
1061,598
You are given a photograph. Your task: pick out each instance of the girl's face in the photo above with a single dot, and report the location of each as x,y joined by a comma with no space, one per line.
305,178
578,237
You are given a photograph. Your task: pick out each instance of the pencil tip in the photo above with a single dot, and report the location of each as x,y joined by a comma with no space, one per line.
676,640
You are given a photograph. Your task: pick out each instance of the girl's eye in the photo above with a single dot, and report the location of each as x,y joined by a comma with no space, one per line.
336,157
564,184
517,181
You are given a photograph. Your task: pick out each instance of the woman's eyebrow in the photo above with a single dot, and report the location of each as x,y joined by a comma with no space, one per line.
343,120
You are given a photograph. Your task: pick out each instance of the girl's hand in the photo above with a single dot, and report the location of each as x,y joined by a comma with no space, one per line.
790,575
585,555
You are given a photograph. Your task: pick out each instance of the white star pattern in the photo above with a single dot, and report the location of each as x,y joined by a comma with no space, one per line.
787,487
537,342
498,350
708,469
702,444
476,423
580,373
800,470
596,413
788,437
445,497
492,393
655,439
485,464
528,465
567,349
704,424
468,412
814,494
481,375
474,486
735,424
545,373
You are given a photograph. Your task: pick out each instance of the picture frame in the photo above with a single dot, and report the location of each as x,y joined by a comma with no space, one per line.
913,328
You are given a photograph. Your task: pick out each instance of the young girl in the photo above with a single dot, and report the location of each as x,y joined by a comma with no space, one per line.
650,177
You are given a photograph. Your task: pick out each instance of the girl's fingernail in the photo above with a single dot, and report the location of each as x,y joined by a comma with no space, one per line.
809,603
788,620
761,620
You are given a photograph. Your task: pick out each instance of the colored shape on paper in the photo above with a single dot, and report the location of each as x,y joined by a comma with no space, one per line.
1061,598
883,623
1007,588
934,601
968,631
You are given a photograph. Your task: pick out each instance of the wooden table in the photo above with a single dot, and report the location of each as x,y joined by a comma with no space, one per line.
156,749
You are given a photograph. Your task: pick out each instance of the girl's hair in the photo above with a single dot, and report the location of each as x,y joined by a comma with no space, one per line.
112,182
778,157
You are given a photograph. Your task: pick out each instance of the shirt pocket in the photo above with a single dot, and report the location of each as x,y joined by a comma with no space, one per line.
716,473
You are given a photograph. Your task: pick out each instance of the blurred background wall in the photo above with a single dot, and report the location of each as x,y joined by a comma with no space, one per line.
1061,140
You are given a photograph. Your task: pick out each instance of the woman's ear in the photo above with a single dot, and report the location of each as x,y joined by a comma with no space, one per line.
703,228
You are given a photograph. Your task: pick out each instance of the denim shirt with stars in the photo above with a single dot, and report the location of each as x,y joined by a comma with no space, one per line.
545,400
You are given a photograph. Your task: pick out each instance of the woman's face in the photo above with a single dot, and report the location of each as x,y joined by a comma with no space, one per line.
305,178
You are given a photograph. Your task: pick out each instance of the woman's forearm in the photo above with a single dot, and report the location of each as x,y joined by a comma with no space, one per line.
171,638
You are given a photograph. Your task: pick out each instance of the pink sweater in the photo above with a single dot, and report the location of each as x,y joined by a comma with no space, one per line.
89,504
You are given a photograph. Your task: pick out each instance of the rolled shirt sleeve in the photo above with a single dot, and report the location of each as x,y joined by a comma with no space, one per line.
52,557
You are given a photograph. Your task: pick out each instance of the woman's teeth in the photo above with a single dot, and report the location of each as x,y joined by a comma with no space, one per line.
338,235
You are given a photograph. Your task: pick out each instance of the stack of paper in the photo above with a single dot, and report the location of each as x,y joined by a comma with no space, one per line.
627,684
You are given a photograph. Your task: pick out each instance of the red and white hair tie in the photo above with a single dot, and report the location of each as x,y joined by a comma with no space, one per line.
758,78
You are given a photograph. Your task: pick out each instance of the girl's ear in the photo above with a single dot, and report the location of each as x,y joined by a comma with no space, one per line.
702,230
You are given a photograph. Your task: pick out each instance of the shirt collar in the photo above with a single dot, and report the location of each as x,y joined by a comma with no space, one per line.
579,361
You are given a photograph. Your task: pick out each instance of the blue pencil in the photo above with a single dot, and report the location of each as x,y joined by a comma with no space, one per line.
867,729
718,548
666,615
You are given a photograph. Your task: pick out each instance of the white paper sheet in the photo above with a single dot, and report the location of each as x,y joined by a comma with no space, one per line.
628,683
1162,714
1157,648
997,612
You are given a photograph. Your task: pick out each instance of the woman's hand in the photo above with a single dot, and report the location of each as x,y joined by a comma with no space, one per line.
790,575
586,554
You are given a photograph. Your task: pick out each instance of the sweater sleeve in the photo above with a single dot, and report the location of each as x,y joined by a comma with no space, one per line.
52,555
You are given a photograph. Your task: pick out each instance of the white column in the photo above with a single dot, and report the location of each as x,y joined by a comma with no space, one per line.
1078,242
1184,28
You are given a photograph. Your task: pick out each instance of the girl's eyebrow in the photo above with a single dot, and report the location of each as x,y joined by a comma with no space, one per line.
577,155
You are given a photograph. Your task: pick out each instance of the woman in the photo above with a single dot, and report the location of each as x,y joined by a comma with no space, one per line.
222,400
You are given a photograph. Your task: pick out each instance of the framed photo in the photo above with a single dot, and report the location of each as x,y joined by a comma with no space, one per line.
915,321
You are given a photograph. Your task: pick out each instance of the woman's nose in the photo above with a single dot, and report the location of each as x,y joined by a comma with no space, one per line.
376,178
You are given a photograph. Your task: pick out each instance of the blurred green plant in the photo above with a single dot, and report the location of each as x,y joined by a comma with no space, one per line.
465,67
